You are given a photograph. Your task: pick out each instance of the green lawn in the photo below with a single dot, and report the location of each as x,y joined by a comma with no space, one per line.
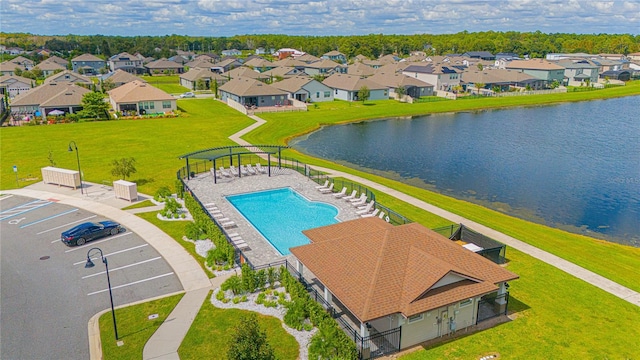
167,83
211,331
176,229
142,204
134,327
154,143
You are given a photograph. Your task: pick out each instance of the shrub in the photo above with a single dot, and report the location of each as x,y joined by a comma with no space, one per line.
296,314
234,283
248,278
243,298
272,276
162,193
261,297
179,189
192,231
220,295
236,300
261,278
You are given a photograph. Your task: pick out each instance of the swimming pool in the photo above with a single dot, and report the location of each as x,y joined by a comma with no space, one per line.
281,215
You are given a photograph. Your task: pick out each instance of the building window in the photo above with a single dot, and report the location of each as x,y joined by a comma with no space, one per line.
327,94
415,318
146,105
336,91
317,94
466,302
166,104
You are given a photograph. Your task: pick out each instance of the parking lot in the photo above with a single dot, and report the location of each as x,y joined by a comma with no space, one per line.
48,296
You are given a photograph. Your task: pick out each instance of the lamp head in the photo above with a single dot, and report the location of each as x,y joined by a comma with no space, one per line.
70,149
89,263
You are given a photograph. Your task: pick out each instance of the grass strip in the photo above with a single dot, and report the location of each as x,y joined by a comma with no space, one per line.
142,204
134,327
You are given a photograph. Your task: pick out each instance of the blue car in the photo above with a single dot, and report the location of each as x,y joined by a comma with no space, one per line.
88,231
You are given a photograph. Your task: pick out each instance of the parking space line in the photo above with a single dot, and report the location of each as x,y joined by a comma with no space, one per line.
48,218
93,243
24,208
6,196
129,284
113,253
123,267
65,225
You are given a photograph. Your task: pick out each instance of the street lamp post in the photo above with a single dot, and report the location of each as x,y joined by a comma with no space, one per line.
90,264
78,158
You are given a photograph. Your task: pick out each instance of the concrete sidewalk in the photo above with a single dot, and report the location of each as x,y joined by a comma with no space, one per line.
562,264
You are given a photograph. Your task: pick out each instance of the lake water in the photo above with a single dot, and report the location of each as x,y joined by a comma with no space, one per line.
574,166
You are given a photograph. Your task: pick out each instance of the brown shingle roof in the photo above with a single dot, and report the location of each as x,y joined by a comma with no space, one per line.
86,57
394,80
163,64
48,65
350,83
69,76
122,77
245,72
51,94
376,269
199,73
533,64
249,87
136,91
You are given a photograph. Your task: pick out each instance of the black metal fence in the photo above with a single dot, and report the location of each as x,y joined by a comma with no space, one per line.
491,249
492,305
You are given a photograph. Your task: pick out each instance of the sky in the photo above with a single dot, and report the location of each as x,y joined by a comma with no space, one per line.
316,18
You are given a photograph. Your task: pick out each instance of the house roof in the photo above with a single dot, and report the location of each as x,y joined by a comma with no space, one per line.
87,57
121,77
395,67
58,60
324,64
533,64
6,80
199,63
333,53
250,87
496,76
48,65
203,73
164,64
258,62
432,69
350,82
69,76
308,58
577,64
21,60
394,80
290,62
360,69
136,91
376,269
245,72
294,84
51,94
284,71
10,66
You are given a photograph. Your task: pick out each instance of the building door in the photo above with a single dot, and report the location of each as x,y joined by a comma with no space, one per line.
444,323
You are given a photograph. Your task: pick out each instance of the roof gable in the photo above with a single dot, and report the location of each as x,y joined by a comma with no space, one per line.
136,91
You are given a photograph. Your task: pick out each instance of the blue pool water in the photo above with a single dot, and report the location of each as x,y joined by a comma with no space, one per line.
281,215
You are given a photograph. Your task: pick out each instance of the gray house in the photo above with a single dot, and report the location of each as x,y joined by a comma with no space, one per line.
540,69
127,62
412,87
577,72
304,88
251,92
87,64
346,87
336,56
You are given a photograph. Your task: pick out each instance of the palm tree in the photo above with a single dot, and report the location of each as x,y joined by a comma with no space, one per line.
479,86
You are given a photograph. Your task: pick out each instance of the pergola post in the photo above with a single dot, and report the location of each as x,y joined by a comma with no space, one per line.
279,157
188,170
269,163
215,173
230,155
239,175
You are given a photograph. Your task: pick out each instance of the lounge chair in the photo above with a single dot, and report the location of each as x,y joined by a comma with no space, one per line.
228,224
381,216
208,205
359,201
243,170
352,196
230,235
372,214
251,170
326,185
260,168
366,209
341,193
233,170
218,215
224,172
327,190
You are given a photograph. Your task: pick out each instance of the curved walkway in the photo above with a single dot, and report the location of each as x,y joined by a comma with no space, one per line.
558,262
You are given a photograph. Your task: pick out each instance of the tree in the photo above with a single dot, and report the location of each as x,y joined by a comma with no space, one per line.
37,72
364,93
479,86
249,341
215,88
401,92
17,71
330,342
123,167
480,67
107,85
93,105
201,84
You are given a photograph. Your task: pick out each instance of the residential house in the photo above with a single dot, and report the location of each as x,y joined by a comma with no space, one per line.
199,63
325,67
482,55
284,72
245,72
8,67
563,56
336,56
14,85
489,80
634,57
304,88
622,75
208,77
412,87
346,87
251,92
405,281
259,64
13,50
284,53
260,51
138,97
225,65
60,61
127,62
444,77
49,67
396,67
360,69
88,64
388,59
579,72
507,56
609,65
231,52
618,57
70,77
164,66
374,63
41,100
119,77
539,68
360,58
178,59
290,62
307,58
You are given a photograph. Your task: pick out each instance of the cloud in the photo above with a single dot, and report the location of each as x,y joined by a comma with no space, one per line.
316,17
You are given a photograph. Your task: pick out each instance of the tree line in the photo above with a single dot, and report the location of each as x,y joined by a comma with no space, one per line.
534,44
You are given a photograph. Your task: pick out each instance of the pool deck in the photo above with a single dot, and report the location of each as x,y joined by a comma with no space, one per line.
262,252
